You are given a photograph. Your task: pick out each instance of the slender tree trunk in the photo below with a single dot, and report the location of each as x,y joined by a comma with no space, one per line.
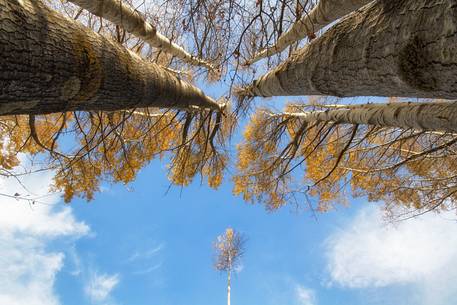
125,16
50,63
405,48
228,287
434,116
324,13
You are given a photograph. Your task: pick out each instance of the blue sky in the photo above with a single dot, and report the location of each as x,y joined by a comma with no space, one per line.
139,245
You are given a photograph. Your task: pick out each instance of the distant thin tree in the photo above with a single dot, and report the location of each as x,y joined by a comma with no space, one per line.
229,249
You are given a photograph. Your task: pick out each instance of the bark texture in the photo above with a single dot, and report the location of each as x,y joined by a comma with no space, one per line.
434,116
324,13
124,16
50,63
404,48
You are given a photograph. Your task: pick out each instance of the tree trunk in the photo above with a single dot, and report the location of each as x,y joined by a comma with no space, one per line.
404,48
434,116
324,13
50,63
228,287
124,16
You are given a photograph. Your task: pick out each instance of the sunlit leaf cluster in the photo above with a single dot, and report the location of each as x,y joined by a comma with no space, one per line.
285,158
85,149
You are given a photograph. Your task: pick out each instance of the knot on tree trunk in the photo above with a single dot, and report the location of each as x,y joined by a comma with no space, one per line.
415,67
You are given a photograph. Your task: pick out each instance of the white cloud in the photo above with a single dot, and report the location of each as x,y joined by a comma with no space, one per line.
145,260
75,262
421,251
28,269
99,286
39,219
305,296
147,270
238,267
145,255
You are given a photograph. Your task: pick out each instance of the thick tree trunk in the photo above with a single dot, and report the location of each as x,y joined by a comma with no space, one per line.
50,63
125,16
405,48
324,13
434,116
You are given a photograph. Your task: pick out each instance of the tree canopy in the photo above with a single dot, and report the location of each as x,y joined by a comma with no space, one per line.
97,89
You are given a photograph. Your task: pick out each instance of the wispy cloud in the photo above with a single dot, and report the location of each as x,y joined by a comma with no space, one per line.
145,261
305,296
75,261
146,254
28,268
238,268
147,270
99,286
421,251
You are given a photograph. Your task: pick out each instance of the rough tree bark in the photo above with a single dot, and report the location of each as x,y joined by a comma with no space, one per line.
125,16
50,63
404,48
440,116
324,13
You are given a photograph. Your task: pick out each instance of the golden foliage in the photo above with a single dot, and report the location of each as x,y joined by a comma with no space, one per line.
229,249
405,168
113,147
